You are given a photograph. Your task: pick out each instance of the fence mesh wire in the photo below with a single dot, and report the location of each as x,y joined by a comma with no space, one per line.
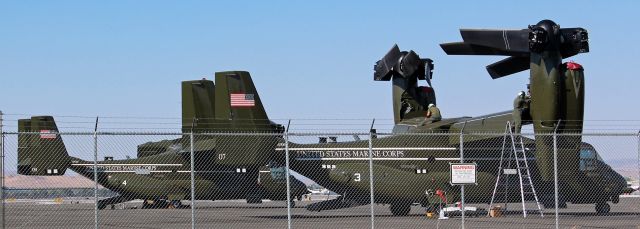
240,180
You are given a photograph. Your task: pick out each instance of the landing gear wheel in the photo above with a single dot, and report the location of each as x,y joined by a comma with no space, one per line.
400,209
615,199
603,208
175,204
435,208
255,198
148,204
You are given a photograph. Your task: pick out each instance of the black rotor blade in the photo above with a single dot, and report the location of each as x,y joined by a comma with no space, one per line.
410,64
462,48
384,67
508,66
504,40
576,40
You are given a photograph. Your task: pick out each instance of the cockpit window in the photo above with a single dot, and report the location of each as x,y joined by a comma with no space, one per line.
588,159
589,154
278,173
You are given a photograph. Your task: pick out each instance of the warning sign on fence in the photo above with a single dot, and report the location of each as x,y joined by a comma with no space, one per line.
463,173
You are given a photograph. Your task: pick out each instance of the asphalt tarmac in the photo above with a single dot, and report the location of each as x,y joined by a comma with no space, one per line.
237,214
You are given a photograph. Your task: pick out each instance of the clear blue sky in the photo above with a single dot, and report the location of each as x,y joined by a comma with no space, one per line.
308,59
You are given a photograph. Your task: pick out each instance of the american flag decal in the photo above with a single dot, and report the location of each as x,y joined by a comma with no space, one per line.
48,134
242,100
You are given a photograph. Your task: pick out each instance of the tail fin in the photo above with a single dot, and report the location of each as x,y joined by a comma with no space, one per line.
239,109
238,105
198,103
41,151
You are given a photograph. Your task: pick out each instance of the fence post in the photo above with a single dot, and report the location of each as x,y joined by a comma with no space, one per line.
2,171
193,182
555,171
371,173
95,172
286,151
462,161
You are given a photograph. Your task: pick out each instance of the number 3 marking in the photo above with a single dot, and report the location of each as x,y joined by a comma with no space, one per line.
357,178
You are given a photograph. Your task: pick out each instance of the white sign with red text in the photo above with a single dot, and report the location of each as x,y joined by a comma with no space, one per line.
463,173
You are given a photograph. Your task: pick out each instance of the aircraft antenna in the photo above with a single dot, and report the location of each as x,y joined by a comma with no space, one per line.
372,123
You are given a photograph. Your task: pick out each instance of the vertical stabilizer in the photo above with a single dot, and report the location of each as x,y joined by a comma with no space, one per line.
238,108
41,151
198,105
238,102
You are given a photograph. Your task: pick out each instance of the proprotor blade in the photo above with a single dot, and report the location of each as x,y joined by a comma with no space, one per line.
512,41
508,66
410,64
576,40
384,67
462,48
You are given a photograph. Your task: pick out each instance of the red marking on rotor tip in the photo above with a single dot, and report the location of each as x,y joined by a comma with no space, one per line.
574,66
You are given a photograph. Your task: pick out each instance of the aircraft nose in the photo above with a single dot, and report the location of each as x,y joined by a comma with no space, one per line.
616,182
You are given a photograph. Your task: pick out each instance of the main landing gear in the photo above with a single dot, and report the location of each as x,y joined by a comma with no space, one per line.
102,204
175,204
603,208
292,203
158,204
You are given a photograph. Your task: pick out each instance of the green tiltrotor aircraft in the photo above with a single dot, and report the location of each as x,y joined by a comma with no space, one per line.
410,168
226,167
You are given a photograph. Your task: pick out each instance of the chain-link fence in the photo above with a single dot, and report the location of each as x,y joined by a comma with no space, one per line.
240,180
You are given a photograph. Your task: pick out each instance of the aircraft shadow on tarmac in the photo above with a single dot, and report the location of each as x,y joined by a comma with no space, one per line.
245,207
331,216
578,214
590,214
581,214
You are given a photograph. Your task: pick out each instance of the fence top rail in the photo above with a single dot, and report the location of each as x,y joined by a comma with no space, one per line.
98,133
463,134
246,133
